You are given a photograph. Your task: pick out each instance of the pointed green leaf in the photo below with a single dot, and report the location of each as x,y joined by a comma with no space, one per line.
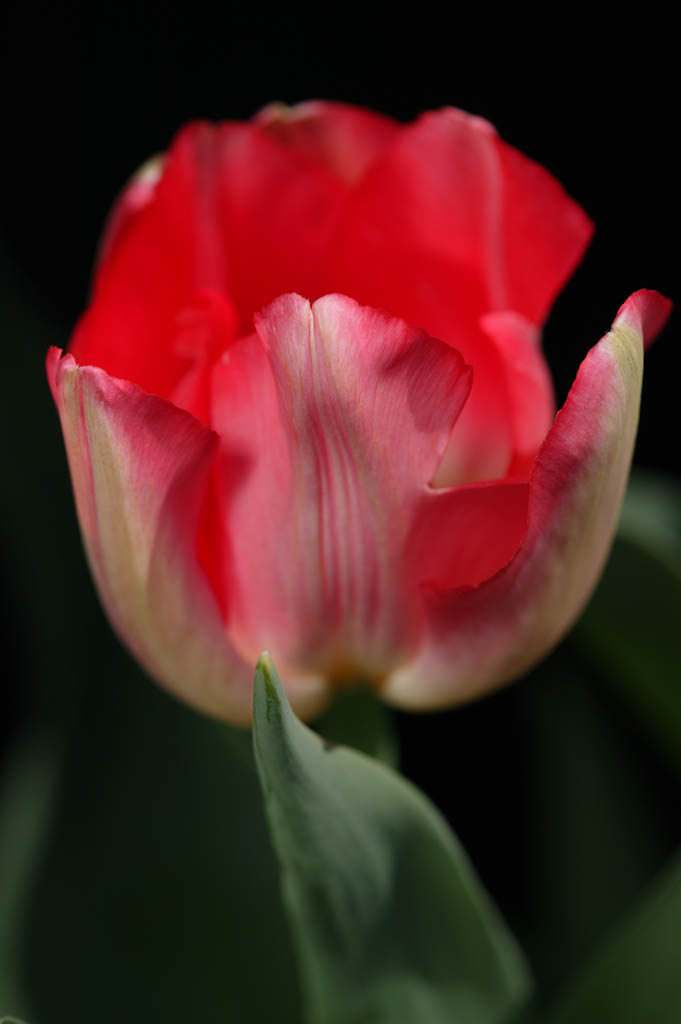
390,921
636,979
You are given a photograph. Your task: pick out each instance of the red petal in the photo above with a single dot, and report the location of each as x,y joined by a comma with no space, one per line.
449,225
345,139
234,214
529,387
448,186
279,214
136,196
544,234
463,536
172,249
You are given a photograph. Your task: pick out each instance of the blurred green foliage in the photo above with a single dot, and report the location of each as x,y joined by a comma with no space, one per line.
636,977
632,627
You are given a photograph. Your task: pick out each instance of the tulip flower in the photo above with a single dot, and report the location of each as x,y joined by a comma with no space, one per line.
307,411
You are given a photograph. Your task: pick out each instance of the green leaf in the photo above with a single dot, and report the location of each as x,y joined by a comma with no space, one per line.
636,979
390,921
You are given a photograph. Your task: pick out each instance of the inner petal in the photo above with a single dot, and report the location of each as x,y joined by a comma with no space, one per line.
528,385
464,535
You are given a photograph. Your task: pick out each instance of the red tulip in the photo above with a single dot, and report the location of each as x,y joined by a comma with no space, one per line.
370,500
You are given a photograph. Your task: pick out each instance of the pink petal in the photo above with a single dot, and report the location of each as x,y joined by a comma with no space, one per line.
480,637
347,431
140,468
347,140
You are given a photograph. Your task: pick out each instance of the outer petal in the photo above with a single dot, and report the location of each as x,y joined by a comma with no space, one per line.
139,468
136,196
234,213
280,212
449,186
155,260
347,140
480,637
449,225
365,405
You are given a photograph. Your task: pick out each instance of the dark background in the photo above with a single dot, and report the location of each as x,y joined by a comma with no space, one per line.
88,95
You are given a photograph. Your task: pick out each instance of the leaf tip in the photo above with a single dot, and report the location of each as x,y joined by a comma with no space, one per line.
267,685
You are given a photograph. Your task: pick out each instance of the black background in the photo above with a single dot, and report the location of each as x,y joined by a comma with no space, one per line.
89,94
